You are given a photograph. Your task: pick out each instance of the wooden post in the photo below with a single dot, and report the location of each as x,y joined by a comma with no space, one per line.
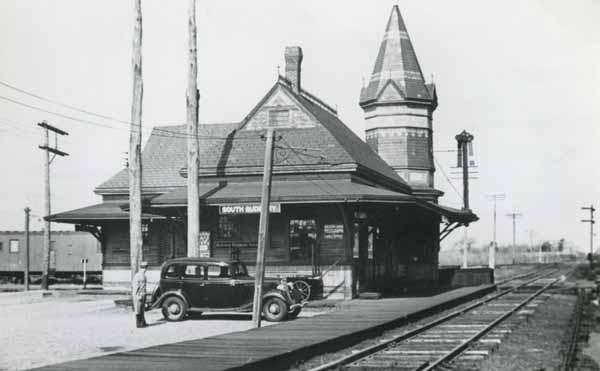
514,240
465,256
135,145
26,273
514,217
263,229
592,222
492,255
193,214
492,251
46,197
84,261
47,160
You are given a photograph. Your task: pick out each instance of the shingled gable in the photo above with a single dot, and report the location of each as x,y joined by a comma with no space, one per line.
321,141
162,157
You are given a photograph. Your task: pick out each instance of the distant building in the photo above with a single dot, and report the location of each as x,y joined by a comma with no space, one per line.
67,248
339,211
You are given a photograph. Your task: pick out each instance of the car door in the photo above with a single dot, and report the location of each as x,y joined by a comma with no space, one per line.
219,289
243,285
171,279
194,285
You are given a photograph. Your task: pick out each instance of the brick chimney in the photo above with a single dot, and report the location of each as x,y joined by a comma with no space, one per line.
293,65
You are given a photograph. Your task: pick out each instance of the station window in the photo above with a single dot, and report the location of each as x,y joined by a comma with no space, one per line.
227,227
279,117
303,237
13,246
1,245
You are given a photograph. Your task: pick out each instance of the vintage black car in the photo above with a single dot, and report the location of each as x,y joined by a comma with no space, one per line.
209,285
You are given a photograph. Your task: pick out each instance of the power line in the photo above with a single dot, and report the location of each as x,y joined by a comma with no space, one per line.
295,152
87,112
63,104
58,114
170,133
447,178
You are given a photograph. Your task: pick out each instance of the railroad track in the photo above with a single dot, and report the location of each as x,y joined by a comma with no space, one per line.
458,340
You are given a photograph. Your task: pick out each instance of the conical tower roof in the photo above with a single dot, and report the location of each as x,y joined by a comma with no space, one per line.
396,65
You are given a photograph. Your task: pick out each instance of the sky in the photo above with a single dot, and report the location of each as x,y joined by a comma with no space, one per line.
522,76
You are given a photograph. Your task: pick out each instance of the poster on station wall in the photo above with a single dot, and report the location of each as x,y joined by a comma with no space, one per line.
204,245
333,231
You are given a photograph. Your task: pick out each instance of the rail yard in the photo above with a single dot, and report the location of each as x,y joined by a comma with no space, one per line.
541,309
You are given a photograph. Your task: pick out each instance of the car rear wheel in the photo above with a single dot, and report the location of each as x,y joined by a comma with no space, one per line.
274,309
173,308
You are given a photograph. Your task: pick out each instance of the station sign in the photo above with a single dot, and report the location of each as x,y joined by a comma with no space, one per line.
247,209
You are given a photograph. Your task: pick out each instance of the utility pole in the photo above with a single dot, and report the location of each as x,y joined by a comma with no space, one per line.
135,144
466,246
263,228
514,217
531,233
492,251
26,274
592,222
193,212
47,161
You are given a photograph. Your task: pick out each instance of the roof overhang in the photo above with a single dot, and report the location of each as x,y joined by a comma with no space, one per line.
305,191
96,214
452,215
283,192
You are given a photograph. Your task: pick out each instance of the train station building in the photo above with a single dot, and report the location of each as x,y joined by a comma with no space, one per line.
359,216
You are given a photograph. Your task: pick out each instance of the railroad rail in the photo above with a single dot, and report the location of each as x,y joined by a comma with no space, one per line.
433,344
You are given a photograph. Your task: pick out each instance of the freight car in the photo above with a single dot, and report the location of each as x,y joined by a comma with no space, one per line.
67,249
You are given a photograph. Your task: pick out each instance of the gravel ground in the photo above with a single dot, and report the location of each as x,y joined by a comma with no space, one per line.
588,347
64,328
539,343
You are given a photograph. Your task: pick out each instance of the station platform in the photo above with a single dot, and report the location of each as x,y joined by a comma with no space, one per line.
282,345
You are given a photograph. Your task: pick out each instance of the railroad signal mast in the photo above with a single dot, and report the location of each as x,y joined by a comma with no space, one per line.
592,222
465,148
47,161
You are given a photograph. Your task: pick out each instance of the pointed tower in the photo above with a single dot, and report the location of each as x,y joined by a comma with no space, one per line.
398,107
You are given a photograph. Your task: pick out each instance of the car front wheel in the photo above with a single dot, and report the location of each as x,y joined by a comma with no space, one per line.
173,308
294,313
274,309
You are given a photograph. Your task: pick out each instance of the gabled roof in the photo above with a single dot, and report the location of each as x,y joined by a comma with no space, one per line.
397,62
163,156
359,151
324,144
